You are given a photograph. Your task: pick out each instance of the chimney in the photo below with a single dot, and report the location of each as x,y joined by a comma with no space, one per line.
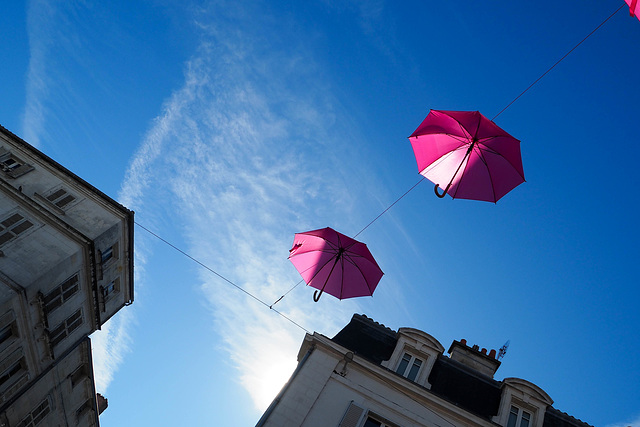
474,358
102,403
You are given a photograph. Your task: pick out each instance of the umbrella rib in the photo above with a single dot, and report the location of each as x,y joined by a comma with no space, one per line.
464,130
357,266
463,171
492,151
486,165
462,139
320,269
444,156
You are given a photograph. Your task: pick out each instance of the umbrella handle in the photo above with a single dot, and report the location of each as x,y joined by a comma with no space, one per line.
444,193
316,294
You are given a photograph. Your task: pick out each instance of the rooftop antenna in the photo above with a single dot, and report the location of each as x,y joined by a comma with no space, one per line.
503,349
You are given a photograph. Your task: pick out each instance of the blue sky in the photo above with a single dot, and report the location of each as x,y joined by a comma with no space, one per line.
228,126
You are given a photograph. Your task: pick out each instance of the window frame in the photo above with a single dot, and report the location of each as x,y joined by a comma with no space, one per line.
410,361
375,418
65,328
15,229
110,289
37,414
63,295
518,417
109,255
12,165
60,197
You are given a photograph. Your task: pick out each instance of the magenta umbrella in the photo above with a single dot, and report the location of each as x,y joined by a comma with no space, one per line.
469,154
334,263
634,8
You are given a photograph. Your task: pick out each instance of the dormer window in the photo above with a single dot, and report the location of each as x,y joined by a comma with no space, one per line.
409,366
518,417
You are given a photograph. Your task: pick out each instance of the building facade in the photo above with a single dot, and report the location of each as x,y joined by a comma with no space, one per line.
371,376
66,267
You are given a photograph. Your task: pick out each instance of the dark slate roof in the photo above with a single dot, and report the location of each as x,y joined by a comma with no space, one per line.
465,387
449,379
556,418
367,338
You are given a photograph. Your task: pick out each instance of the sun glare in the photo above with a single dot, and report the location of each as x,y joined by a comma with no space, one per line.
271,381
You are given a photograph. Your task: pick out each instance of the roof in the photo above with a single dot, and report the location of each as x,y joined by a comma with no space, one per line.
556,418
367,338
461,385
449,379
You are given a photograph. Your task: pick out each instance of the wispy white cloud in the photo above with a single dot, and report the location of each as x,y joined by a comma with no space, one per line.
245,154
40,20
109,346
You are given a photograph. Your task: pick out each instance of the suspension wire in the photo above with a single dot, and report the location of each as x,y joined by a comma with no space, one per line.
219,275
559,60
356,235
508,105
285,294
392,204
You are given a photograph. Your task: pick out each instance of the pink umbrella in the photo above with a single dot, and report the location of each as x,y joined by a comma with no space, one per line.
634,8
332,262
470,153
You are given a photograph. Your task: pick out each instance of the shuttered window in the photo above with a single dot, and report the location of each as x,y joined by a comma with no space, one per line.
36,415
12,165
62,293
12,226
352,416
60,198
65,328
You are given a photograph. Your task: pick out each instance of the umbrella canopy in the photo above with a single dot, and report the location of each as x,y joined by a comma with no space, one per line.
334,263
634,8
468,154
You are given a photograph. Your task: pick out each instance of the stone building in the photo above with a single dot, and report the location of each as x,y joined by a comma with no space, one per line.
66,267
371,376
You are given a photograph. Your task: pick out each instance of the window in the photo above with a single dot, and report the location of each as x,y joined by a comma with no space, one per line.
8,329
108,254
373,421
409,367
11,165
86,406
12,227
6,333
60,198
355,414
37,415
10,372
370,422
62,293
65,328
111,288
79,374
518,417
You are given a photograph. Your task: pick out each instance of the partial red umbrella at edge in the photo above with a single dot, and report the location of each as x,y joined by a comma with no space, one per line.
468,155
634,8
334,263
